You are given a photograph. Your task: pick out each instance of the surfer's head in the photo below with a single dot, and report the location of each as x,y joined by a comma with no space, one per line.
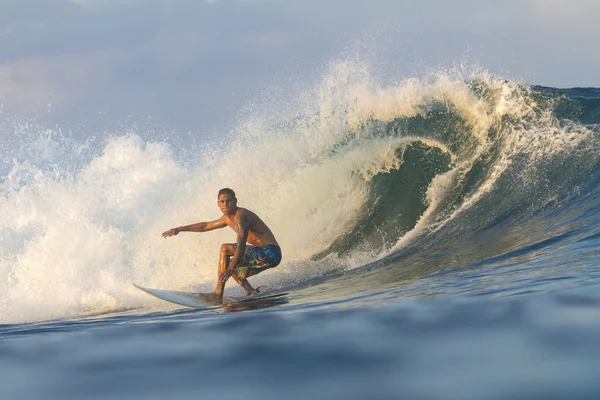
227,201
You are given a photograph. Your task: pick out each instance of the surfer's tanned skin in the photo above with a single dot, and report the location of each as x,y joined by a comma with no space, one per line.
249,228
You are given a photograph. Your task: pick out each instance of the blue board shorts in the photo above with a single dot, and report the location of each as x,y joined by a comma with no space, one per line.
258,259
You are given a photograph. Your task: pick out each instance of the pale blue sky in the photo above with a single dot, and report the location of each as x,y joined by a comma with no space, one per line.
192,64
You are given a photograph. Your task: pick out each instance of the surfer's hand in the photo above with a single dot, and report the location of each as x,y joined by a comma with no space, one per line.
223,276
170,232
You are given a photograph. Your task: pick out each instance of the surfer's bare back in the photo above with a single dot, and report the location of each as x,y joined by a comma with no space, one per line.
238,260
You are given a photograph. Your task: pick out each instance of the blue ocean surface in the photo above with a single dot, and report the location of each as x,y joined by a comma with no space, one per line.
440,241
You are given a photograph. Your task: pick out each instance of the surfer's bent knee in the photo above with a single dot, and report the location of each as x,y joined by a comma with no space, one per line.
227,248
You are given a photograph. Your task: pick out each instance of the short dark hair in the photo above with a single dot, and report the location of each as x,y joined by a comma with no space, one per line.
226,191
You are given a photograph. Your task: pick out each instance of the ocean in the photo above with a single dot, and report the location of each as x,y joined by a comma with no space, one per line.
440,238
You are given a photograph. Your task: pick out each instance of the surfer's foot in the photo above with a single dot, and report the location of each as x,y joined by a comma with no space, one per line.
255,291
211,297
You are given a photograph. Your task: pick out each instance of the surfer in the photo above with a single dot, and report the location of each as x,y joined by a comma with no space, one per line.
238,260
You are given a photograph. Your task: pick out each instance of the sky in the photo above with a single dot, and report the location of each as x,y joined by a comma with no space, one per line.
192,65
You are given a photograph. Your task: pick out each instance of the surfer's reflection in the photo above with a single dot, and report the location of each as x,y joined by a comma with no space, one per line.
256,304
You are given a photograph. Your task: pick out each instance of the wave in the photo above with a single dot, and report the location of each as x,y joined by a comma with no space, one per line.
352,171
507,152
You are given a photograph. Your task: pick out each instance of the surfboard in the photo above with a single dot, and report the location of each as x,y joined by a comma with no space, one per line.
181,298
195,301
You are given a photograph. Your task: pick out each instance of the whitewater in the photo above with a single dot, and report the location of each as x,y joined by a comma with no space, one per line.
440,238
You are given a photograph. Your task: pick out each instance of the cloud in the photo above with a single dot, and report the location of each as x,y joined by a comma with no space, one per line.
35,82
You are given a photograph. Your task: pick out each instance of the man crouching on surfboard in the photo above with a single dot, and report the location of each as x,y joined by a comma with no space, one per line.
238,259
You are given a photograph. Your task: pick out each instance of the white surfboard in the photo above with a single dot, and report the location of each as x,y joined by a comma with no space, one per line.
181,298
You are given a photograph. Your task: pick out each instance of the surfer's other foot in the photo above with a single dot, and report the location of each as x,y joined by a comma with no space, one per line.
256,291
260,289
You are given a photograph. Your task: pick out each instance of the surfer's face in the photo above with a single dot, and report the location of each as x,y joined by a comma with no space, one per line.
227,203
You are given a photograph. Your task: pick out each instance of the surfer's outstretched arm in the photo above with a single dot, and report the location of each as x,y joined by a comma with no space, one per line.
199,227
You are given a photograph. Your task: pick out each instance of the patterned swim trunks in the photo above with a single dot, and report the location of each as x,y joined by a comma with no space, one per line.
258,259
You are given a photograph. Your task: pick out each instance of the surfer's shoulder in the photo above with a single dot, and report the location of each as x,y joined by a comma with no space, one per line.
245,214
